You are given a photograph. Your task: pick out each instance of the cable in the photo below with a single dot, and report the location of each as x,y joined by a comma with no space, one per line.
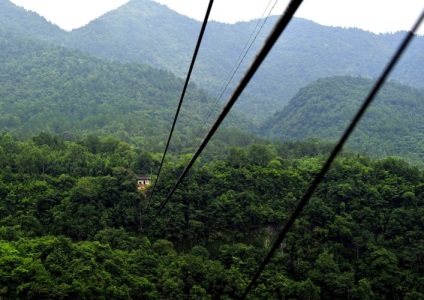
335,152
237,65
199,41
266,48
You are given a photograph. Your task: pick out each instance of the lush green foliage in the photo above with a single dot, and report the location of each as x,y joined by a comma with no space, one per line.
306,51
72,224
146,32
68,92
391,126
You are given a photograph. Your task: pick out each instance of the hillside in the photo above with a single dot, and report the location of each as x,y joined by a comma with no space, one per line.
73,225
78,127
307,51
146,32
27,22
68,92
392,125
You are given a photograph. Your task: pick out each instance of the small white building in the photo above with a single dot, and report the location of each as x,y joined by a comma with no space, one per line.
143,181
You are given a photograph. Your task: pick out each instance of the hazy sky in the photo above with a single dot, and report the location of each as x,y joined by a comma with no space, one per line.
373,15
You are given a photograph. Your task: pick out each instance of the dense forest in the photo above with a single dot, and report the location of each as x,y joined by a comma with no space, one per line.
392,125
84,113
143,31
73,224
307,51
68,92
73,94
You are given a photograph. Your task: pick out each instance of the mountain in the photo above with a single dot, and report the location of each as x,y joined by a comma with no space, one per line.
68,92
146,32
73,224
27,22
393,125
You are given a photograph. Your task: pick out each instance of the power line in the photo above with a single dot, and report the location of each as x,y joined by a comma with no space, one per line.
262,54
335,152
193,60
238,63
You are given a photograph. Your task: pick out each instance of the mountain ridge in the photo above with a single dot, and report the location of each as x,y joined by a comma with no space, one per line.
28,22
324,108
143,31
63,91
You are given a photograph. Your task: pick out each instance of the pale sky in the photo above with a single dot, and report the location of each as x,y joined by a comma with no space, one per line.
372,15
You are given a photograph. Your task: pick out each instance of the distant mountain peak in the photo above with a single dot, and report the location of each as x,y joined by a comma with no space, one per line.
28,22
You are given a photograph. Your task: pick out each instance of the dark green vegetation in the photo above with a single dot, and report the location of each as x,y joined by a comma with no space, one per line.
71,224
145,32
306,52
393,125
68,92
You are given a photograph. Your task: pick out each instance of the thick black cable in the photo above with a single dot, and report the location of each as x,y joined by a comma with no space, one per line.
266,48
238,63
335,152
193,60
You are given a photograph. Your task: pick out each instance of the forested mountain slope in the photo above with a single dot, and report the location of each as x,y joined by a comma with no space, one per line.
27,22
73,225
393,125
68,92
144,31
